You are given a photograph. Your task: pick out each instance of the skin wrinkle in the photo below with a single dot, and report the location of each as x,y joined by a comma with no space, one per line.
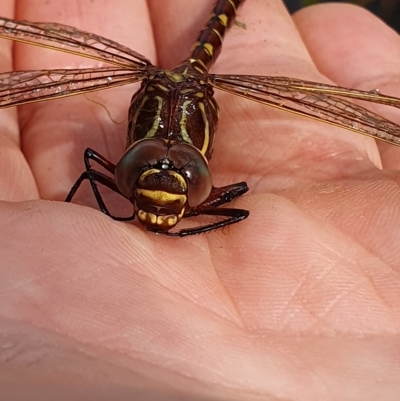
111,361
299,364
318,315
281,164
332,226
290,300
192,301
339,257
91,354
45,274
173,364
22,283
239,322
319,378
253,170
378,294
397,182
337,263
340,295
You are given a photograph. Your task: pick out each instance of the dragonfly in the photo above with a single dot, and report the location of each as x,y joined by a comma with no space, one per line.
173,117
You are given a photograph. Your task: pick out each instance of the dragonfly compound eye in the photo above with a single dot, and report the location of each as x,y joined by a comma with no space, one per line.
139,156
194,167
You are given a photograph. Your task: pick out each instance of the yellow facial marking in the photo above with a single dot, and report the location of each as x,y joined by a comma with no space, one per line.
199,94
164,222
162,197
146,217
147,173
179,178
181,213
151,171
169,221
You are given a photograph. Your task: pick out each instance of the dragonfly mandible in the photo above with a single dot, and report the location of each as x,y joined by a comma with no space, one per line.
173,117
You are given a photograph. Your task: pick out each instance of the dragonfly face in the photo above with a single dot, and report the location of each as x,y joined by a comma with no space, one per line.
163,178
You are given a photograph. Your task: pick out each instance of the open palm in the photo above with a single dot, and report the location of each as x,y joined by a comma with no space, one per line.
301,301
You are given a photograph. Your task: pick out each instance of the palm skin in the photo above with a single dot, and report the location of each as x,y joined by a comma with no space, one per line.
301,301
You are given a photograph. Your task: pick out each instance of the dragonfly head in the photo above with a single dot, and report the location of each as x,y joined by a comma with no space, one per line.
163,180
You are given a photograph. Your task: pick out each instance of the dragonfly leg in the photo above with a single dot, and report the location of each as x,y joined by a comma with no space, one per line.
218,197
233,216
95,177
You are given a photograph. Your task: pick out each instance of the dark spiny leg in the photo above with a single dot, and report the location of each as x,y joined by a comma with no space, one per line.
233,216
95,177
218,197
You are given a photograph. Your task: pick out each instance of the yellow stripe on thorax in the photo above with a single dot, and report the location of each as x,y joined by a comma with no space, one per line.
157,118
206,142
183,121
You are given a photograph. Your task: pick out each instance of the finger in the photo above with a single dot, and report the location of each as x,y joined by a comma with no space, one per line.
56,133
355,49
184,20
313,256
16,180
294,146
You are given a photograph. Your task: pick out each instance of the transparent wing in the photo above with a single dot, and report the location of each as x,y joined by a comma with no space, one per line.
71,40
314,100
20,87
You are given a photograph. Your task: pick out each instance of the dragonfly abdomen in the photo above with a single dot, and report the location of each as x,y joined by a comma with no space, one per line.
207,47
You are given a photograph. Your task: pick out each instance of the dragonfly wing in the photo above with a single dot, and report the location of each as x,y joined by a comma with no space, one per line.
373,96
320,102
21,87
71,40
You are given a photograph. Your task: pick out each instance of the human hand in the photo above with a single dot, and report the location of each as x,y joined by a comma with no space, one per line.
300,301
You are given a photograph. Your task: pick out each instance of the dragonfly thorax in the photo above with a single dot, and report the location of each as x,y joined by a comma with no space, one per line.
174,106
